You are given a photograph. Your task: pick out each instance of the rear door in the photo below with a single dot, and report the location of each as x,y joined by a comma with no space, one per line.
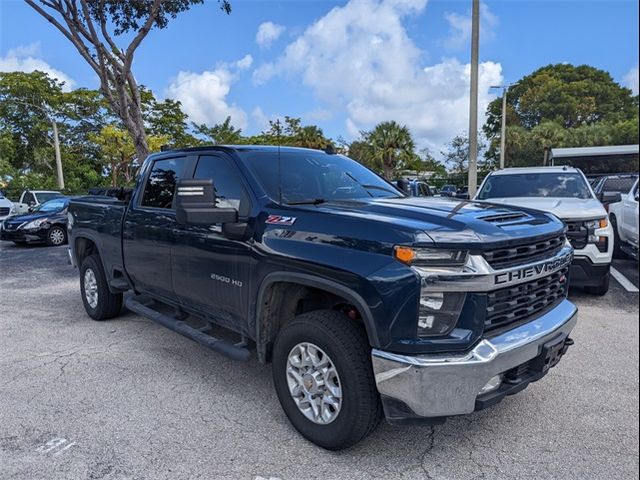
211,272
150,227
630,215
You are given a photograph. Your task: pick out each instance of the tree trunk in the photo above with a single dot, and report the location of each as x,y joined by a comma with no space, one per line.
387,168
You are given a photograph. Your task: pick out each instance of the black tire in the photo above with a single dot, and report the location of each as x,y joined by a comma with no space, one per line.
345,342
617,251
108,304
601,289
56,236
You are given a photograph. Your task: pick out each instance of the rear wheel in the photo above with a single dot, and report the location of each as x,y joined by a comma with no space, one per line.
56,236
98,301
324,379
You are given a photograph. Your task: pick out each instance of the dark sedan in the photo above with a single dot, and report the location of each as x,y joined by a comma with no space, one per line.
45,223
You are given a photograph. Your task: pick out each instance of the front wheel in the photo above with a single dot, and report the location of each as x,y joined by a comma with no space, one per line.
56,236
324,379
617,243
98,301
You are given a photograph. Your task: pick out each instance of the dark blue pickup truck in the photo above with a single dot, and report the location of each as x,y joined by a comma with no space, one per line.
366,302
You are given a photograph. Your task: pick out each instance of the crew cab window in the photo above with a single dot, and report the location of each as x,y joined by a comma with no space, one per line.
161,185
228,187
28,198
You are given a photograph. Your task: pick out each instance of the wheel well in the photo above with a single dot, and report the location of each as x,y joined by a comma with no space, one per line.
83,248
282,301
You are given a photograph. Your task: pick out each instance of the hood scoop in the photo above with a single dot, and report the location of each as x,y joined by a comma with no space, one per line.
505,218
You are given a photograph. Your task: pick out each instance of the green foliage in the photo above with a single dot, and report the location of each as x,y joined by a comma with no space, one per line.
220,134
562,106
131,14
391,145
457,155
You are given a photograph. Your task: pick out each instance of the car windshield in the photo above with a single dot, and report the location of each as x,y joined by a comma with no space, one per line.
314,177
46,196
52,206
548,184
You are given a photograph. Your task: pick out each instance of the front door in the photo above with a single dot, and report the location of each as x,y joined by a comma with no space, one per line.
150,229
211,273
630,215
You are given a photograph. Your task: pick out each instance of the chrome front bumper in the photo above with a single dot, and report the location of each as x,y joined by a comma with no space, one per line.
445,385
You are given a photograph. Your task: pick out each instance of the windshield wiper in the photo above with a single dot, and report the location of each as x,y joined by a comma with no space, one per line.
311,201
378,187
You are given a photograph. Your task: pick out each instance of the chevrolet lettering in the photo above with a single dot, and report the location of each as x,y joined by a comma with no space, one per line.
367,303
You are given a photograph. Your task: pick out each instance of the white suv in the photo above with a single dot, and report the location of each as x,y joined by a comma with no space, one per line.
7,208
565,192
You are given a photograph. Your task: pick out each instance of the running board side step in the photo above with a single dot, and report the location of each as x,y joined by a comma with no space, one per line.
228,349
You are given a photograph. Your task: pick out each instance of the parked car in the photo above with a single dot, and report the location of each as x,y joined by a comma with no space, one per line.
462,193
32,198
434,190
624,220
7,207
448,190
565,192
366,301
47,222
606,187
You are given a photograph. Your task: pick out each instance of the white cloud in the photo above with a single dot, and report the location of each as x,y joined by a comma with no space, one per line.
204,95
359,59
460,27
25,59
245,62
631,80
268,32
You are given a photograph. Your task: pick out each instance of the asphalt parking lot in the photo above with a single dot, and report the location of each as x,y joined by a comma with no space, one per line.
128,399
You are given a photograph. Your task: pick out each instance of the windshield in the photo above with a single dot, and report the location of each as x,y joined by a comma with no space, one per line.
548,184
52,205
315,176
46,196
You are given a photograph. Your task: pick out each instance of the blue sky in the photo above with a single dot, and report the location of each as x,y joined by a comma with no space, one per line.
345,65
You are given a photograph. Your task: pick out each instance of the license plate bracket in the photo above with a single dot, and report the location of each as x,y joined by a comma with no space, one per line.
551,353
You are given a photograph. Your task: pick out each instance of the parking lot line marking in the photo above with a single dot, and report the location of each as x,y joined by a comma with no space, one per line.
622,280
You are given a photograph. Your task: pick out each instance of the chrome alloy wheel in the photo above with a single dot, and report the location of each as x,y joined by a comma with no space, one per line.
90,288
314,383
57,236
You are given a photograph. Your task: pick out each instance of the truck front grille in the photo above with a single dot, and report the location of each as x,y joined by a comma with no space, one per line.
4,211
522,254
526,301
578,234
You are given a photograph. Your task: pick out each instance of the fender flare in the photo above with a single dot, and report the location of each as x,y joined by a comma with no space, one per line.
321,283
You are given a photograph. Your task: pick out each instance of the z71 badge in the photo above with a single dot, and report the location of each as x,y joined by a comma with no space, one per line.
280,220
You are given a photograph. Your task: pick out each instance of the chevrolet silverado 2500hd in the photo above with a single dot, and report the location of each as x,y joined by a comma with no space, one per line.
367,302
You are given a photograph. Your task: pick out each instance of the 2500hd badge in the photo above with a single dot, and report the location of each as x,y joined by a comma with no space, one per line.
534,271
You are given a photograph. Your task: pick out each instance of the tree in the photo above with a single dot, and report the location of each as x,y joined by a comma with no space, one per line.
391,144
457,154
87,24
562,106
220,134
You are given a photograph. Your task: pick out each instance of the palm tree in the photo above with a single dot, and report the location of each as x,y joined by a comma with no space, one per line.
391,144
311,136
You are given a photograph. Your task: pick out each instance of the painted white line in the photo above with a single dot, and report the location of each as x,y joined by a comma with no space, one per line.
622,280
68,445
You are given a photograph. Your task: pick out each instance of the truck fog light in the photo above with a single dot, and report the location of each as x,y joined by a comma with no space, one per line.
492,384
438,312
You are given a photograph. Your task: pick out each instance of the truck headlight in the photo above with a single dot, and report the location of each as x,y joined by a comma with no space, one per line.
35,224
593,225
430,257
438,312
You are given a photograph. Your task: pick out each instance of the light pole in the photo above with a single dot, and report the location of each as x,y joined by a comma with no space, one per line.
503,130
473,100
56,140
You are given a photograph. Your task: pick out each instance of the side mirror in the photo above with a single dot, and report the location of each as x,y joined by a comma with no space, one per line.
611,197
195,204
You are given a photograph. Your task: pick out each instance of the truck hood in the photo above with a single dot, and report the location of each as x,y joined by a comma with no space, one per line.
445,221
564,208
